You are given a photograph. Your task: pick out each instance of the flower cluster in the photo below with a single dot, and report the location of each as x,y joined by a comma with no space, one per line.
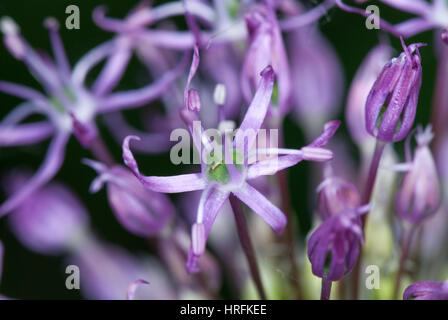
247,96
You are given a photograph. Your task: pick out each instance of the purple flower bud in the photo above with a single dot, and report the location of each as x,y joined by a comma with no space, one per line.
50,219
139,210
266,49
392,101
336,195
333,248
419,195
359,90
427,290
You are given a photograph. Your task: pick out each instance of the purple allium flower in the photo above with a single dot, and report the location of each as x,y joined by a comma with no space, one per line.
427,290
334,246
49,220
218,180
318,78
266,47
139,210
67,104
419,194
392,101
336,195
359,90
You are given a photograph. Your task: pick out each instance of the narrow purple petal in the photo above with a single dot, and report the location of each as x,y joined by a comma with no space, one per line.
211,207
113,70
198,238
257,110
135,98
330,129
171,184
21,91
58,47
25,134
272,215
52,162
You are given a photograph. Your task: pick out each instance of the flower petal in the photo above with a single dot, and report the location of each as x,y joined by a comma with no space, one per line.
135,98
25,134
211,207
257,110
52,163
272,215
171,184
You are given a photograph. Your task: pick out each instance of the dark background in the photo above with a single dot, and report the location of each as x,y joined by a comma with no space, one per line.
28,275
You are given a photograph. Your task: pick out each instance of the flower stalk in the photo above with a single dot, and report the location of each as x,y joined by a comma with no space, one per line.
246,244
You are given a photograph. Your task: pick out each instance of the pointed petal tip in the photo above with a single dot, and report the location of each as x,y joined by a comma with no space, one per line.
128,157
133,287
267,72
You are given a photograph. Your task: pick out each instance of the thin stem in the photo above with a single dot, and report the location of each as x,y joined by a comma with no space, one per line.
365,198
246,244
405,246
326,289
100,151
288,237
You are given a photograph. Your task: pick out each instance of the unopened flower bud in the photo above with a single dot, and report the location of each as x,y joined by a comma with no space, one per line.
419,195
334,246
392,101
427,290
336,195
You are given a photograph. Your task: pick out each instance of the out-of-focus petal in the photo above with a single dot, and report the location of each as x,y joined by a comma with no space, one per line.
25,134
52,163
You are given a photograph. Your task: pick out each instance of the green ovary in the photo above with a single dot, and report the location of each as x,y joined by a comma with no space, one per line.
217,170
